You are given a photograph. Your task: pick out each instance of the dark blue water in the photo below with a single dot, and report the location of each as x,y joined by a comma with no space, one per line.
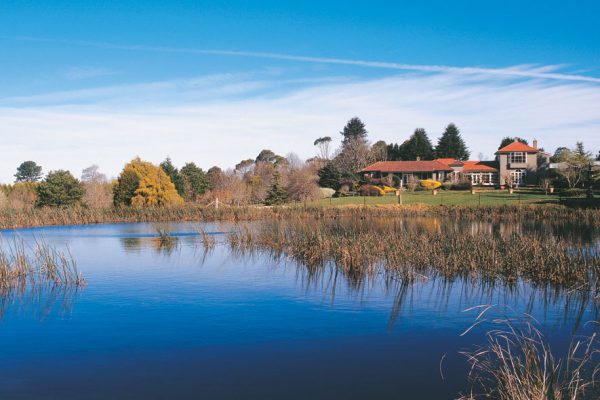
178,322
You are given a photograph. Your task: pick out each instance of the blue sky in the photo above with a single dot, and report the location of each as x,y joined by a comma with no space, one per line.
85,82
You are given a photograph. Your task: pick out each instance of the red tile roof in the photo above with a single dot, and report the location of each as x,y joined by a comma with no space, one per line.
479,166
407,166
471,165
517,146
446,161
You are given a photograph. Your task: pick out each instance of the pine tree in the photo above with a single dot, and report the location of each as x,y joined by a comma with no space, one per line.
277,194
28,171
173,173
417,146
451,145
354,129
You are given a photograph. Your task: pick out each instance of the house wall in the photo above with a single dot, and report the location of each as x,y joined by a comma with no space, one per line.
531,167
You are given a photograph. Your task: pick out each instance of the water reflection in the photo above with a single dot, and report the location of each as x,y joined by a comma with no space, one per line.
37,301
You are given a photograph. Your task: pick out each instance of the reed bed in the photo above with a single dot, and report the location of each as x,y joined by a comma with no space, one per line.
41,263
11,219
517,363
363,246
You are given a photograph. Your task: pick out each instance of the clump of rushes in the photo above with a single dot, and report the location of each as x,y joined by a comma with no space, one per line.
364,246
557,215
517,363
40,264
208,240
165,240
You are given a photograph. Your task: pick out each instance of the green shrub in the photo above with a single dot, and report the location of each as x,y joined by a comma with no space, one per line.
573,192
59,189
461,186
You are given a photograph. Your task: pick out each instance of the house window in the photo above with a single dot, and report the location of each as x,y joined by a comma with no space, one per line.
518,177
517,157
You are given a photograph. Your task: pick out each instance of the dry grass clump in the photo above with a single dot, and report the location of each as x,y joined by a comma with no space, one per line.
28,217
20,265
363,246
517,363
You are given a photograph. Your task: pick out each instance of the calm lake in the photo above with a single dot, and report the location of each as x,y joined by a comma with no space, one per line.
162,322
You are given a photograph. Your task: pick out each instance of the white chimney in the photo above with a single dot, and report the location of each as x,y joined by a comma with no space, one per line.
535,143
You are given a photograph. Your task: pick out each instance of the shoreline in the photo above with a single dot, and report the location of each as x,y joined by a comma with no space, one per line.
42,217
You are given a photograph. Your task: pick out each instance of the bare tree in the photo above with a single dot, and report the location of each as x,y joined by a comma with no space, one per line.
379,151
323,143
244,167
354,156
92,174
302,184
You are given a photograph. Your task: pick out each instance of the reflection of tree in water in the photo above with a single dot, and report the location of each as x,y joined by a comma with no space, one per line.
137,244
37,300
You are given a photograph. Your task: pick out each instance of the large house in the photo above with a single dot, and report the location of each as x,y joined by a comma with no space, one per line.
520,163
516,162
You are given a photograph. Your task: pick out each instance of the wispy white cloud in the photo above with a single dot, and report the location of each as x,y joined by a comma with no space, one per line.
551,72
221,129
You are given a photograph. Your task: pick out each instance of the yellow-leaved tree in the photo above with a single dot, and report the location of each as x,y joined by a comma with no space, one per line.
143,184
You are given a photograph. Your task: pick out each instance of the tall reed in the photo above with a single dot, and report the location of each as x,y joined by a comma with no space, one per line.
517,363
363,246
21,264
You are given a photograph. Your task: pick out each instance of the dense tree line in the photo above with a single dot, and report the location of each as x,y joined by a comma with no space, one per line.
268,178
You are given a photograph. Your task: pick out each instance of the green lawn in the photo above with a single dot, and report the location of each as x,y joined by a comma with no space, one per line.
483,197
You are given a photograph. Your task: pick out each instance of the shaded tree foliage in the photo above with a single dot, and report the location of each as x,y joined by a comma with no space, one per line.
508,140
329,176
59,189
417,146
195,182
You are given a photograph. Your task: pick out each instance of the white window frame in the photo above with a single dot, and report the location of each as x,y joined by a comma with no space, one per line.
519,177
518,157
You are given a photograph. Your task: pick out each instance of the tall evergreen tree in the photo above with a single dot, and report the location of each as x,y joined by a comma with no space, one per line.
451,145
277,194
393,152
173,173
195,182
417,146
354,129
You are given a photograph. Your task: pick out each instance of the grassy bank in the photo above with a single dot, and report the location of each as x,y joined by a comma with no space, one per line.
10,219
482,197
